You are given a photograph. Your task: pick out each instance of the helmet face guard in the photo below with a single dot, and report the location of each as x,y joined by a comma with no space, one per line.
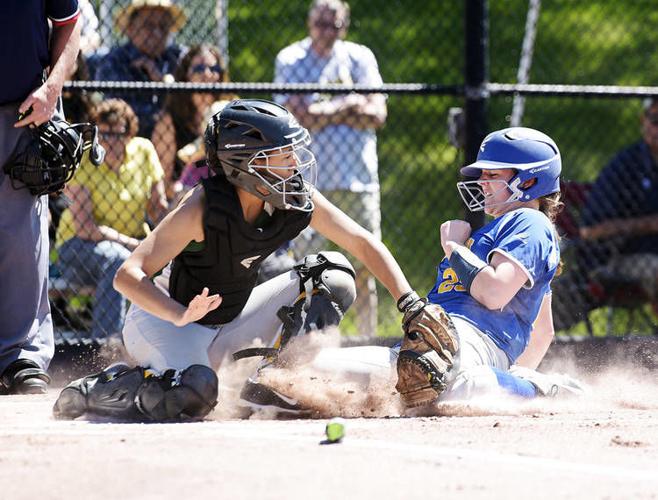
292,184
52,156
532,154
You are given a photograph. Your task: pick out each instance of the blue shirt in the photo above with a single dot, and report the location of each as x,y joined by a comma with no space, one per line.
116,66
347,155
527,237
24,52
626,188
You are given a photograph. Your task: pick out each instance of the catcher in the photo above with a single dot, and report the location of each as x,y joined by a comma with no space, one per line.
192,281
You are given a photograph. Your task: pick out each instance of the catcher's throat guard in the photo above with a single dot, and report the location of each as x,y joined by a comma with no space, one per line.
52,155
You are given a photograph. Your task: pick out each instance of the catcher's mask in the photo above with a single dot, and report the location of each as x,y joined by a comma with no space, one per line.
52,156
261,148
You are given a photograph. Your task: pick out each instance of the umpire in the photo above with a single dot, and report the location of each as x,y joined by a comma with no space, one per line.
34,60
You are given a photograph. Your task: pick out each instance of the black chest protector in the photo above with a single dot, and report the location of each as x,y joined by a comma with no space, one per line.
233,251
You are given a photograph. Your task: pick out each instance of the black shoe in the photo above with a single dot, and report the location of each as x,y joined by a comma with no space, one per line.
258,397
24,376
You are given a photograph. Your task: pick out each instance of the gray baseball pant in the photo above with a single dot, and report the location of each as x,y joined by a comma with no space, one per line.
26,329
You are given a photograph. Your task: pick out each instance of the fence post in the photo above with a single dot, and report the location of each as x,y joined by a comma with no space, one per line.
476,76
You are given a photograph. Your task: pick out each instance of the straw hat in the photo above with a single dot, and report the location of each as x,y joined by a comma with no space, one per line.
123,17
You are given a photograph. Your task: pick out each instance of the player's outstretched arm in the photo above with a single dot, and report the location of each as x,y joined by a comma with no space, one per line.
338,227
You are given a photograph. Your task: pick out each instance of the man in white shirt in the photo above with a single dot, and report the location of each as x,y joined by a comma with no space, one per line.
343,128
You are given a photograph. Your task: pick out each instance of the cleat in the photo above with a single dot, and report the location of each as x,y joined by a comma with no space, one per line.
32,386
553,384
259,397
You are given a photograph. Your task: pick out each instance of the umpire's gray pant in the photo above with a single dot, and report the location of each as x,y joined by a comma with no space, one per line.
26,329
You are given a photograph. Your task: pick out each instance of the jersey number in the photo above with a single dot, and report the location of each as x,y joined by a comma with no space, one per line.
450,282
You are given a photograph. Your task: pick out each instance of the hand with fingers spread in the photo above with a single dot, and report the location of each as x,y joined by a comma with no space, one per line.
199,306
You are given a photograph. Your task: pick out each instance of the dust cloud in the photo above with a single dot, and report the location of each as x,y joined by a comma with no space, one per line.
329,395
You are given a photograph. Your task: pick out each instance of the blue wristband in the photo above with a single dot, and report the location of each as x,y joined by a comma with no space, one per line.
466,266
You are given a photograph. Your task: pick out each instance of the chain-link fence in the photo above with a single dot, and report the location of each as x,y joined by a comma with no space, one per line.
388,159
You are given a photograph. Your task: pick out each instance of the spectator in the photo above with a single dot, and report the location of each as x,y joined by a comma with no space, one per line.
620,229
621,212
147,56
77,105
343,127
182,119
27,49
106,219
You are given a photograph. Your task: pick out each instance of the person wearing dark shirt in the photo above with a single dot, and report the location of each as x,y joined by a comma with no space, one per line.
618,256
621,215
38,62
147,56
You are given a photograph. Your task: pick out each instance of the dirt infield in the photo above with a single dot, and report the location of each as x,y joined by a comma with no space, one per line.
603,446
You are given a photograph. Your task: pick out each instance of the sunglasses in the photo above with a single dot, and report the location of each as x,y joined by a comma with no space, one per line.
328,25
111,135
201,68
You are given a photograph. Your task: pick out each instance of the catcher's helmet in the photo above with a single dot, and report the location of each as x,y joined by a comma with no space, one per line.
52,156
247,141
533,155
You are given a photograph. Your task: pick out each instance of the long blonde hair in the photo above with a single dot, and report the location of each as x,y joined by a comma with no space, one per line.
551,206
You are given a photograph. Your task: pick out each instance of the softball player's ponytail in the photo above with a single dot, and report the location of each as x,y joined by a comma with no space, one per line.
551,205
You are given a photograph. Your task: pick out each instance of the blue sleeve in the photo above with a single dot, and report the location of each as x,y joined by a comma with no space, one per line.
62,11
110,68
527,238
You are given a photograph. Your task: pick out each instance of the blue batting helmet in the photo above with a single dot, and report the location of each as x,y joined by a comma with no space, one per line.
533,155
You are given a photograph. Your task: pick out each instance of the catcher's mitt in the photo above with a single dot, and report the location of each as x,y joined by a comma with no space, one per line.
426,355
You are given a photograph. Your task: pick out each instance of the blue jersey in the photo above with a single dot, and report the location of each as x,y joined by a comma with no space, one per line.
525,236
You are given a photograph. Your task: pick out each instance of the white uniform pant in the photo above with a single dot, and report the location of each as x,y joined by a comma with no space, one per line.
160,345
471,375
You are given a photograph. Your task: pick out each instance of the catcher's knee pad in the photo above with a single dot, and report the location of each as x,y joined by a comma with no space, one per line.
137,394
327,283
426,355
331,274
327,290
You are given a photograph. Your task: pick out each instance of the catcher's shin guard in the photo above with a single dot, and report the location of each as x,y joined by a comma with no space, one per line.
426,355
138,394
108,393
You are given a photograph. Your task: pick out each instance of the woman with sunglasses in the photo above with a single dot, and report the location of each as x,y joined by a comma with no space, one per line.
106,218
182,119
